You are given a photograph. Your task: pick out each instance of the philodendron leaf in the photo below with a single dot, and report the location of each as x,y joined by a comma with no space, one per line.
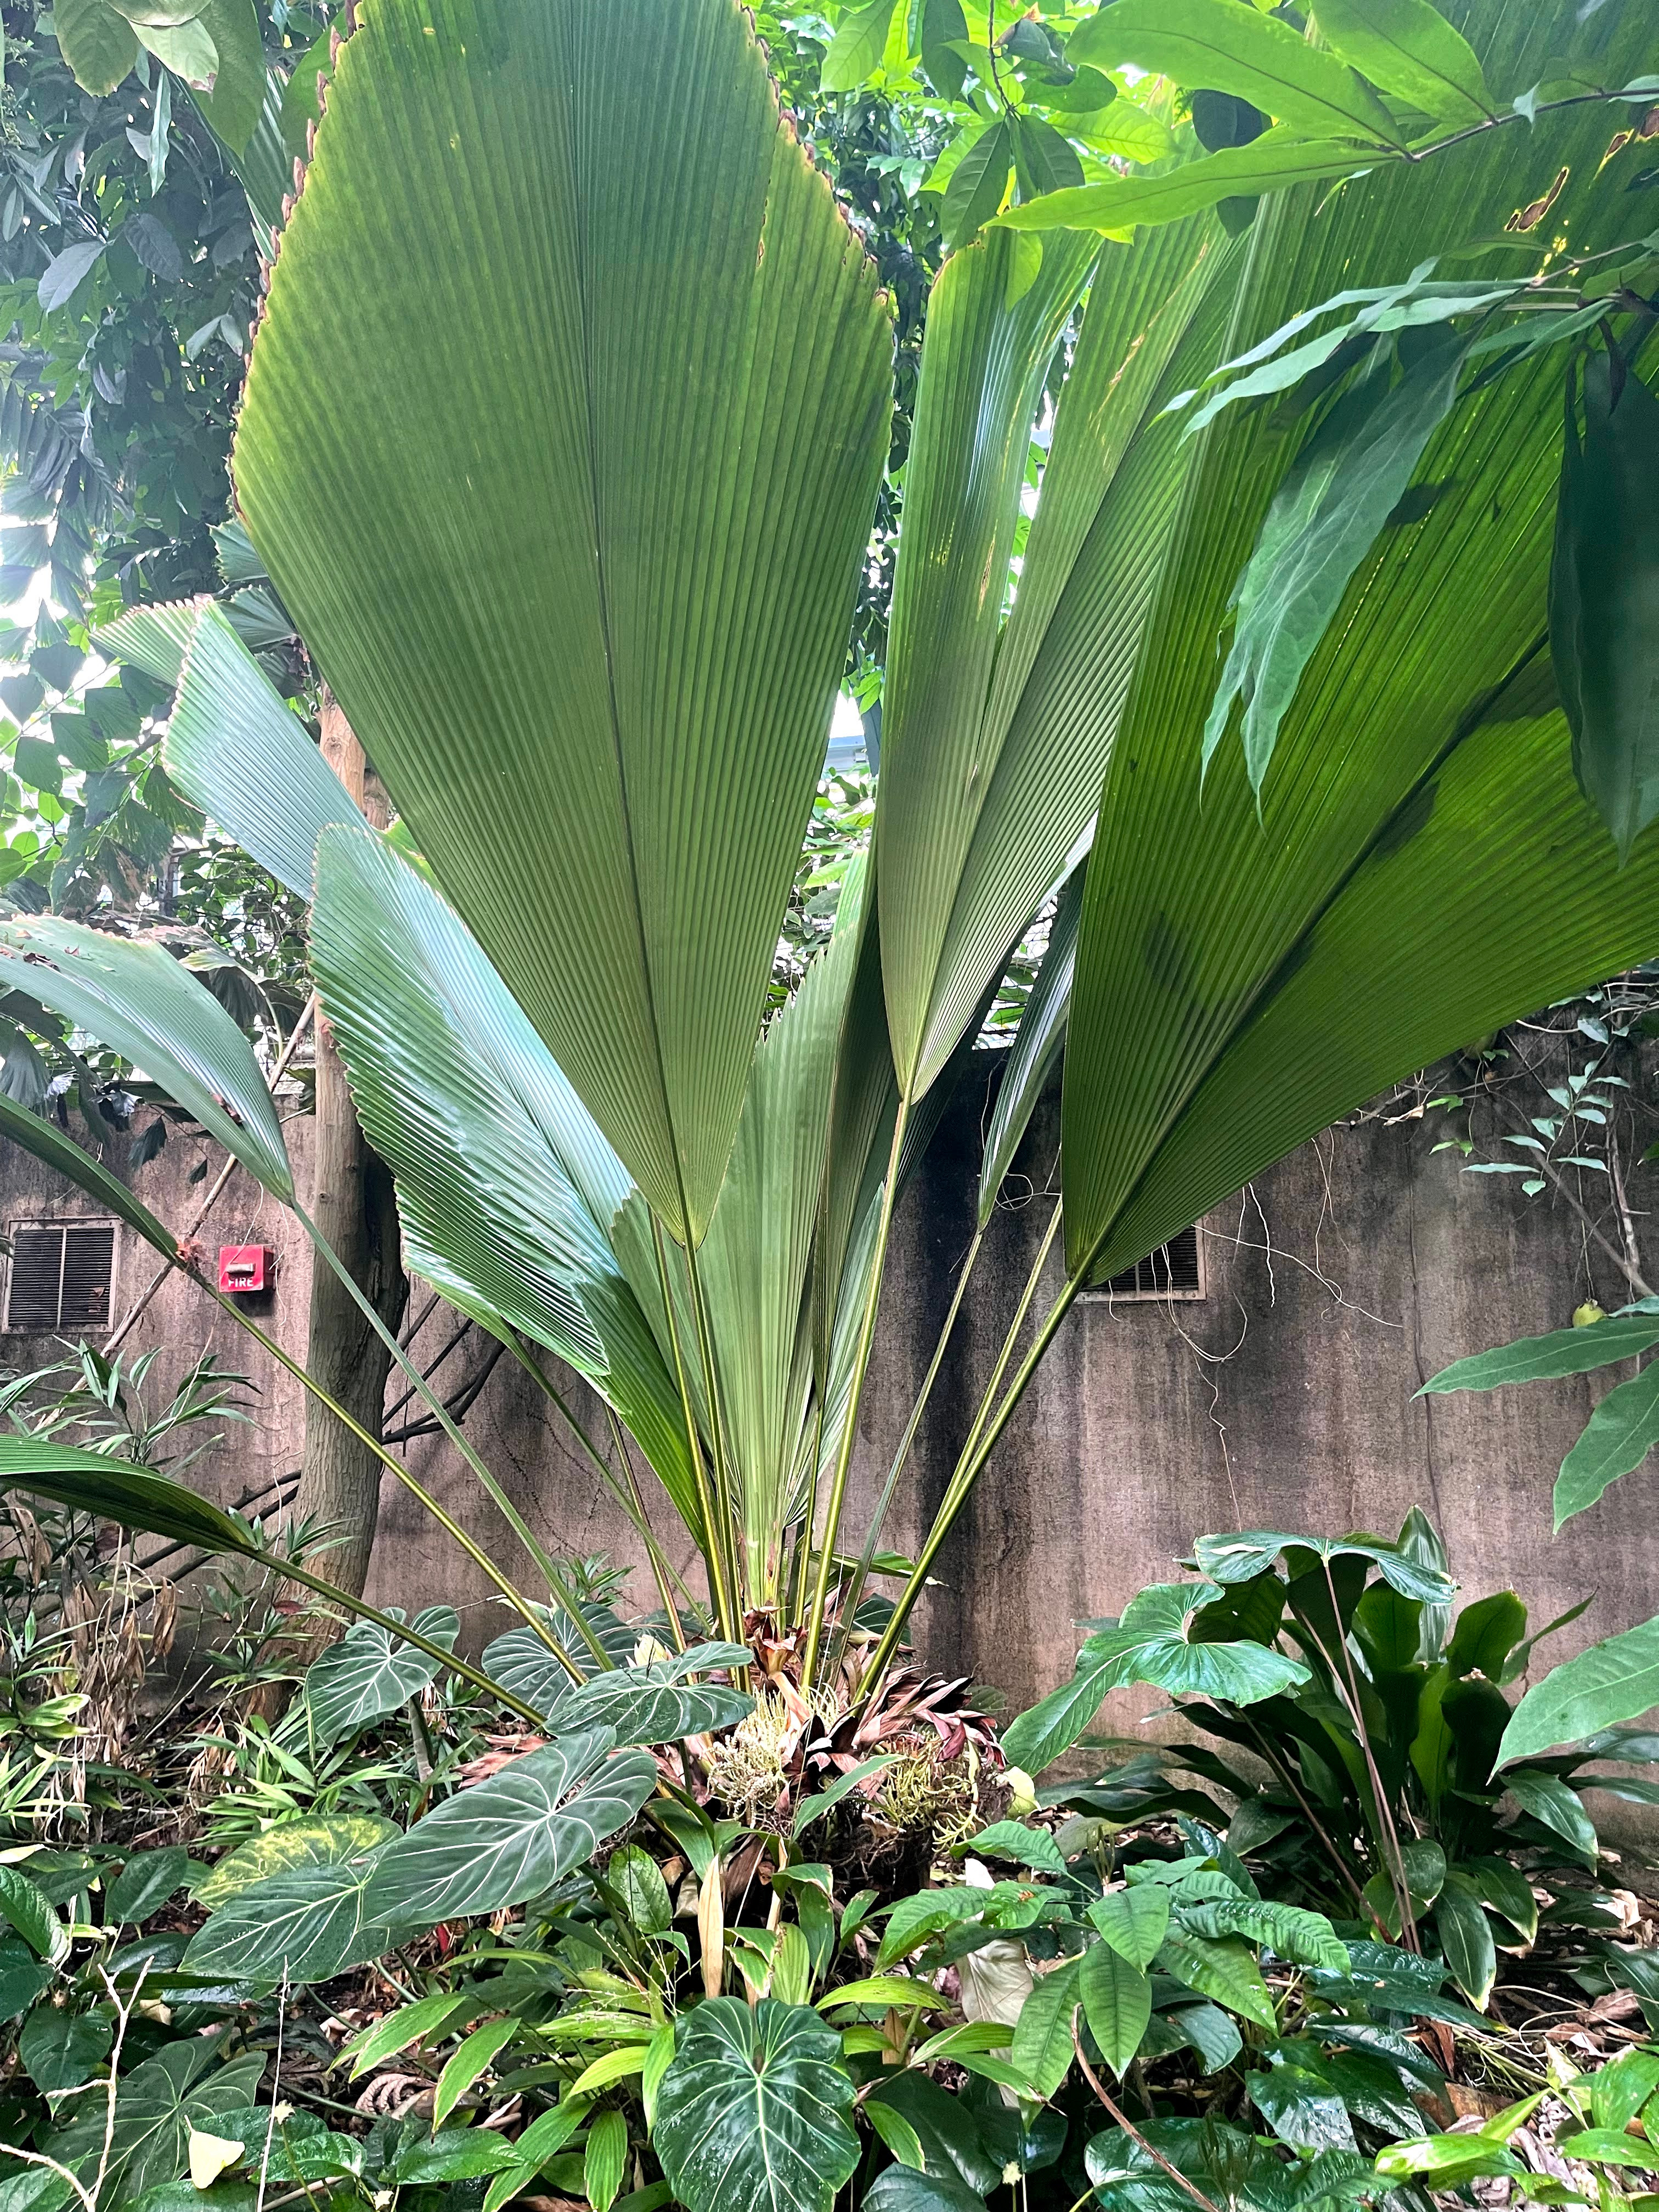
1543,1359
322,1839
639,1706
368,1673
751,2116
1117,2003
513,1836
183,2087
1604,594
304,1926
1615,1681
1324,517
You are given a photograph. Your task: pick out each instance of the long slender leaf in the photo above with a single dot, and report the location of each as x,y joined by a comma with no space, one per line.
1615,1681
1618,1437
1542,1358
136,997
1035,1048
676,479
503,1178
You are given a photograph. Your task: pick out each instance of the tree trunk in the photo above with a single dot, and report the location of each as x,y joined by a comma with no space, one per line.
355,1208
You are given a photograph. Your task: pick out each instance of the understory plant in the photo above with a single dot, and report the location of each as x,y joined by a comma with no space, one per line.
1163,2002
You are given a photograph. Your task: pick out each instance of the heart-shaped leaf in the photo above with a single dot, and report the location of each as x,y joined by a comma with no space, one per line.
366,1674
752,2115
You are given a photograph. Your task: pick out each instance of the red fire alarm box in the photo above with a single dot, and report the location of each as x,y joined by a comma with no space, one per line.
247,1266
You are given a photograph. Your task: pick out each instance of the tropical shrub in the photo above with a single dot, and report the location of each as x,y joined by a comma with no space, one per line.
1403,1785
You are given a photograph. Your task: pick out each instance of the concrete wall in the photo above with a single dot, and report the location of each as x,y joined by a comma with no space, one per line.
1336,1284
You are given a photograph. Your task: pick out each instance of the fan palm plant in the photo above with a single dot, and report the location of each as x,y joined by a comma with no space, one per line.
562,432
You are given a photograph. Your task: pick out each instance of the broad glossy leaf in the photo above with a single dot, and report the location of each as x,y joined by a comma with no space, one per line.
1502,1886
145,1883
1542,1358
1133,1921
319,1839
1304,1938
97,41
303,1926
1466,1941
233,106
61,2050
1615,1681
1036,1045
856,48
900,2188
513,1836
23,1906
1241,1558
1041,2051
506,1186
638,1705
1604,594
945,2127
1549,1800
368,1673
1421,797
1301,2108
23,1975
1408,49
1117,2003
1214,44
1223,1970
751,2116
1486,1634
689,515
1619,1434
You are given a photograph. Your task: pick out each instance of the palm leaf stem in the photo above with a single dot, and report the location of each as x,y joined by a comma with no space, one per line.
983,1439
713,1397
801,1566
855,1392
515,1521
712,1550
862,1573
661,1567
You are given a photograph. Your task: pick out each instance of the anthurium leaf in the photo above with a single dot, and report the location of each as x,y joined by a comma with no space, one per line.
1041,2052
638,1706
1301,2108
368,1673
513,1836
1548,1799
1486,1634
900,2188
1466,1942
1223,1970
1502,1886
1604,594
1622,1429
945,2127
1117,2003
1407,48
752,2115
1239,1559
1324,519
320,1840
303,1926
136,997
1133,1921
506,1186
701,628
1542,1358
24,1907
1446,2161
61,2050
97,42
1615,1681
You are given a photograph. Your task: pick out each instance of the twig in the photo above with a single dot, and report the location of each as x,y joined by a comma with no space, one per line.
1129,2127
1632,1275
1626,1221
39,2158
112,1343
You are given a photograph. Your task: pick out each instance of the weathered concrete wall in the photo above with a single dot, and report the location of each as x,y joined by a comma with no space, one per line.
1336,1284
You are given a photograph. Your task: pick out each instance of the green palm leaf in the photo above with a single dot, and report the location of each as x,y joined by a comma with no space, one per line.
1036,1045
996,735
600,409
1424,868
504,1182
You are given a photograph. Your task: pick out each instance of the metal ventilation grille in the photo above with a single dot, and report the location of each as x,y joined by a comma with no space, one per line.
62,1277
1176,1270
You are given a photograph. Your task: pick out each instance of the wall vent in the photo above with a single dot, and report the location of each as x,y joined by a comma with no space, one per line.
62,1277
1176,1270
